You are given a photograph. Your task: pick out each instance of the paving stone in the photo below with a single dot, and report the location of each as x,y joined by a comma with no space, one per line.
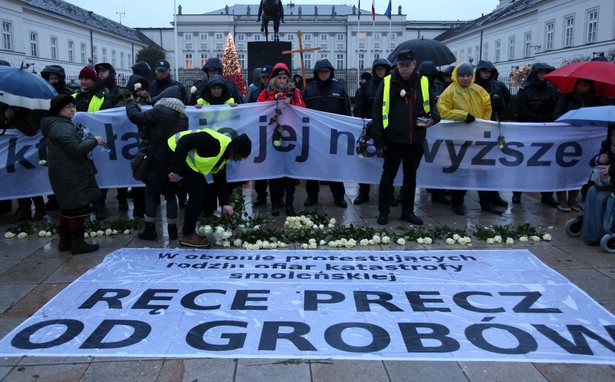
356,371
249,370
47,373
127,371
31,361
33,269
576,372
35,300
500,371
402,371
4,370
201,370
11,294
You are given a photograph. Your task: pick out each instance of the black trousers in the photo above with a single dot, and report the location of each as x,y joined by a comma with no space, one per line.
280,188
195,185
485,197
396,154
337,188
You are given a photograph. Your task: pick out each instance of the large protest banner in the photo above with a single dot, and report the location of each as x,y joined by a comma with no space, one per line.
321,146
370,305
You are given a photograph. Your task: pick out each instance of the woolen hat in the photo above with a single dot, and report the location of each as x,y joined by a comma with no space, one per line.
242,145
405,57
89,73
465,69
279,70
59,101
366,76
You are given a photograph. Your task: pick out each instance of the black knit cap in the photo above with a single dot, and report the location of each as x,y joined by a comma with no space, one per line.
59,101
242,146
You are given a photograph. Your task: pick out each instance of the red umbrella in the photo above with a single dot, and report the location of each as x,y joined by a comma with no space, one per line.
602,73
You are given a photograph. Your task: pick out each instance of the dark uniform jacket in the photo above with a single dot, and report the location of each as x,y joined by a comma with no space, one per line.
329,96
536,100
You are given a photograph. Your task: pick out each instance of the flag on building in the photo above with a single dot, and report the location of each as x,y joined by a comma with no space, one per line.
373,10
387,13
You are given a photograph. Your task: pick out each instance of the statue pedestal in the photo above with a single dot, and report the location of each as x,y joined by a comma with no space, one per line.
262,53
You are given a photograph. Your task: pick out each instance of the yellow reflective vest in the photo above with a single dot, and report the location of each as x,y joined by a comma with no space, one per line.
386,98
197,163
95,103
201,101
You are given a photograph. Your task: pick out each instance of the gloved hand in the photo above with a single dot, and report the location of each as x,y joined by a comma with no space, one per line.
470,118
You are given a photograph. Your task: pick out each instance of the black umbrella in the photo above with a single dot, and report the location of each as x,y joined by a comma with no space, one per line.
425,50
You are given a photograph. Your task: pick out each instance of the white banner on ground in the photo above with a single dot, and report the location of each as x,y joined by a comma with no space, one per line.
317,145
368,305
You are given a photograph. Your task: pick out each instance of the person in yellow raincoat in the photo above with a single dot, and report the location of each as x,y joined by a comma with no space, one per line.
465,101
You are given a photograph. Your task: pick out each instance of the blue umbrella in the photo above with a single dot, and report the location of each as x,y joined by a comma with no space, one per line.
589,116
19,87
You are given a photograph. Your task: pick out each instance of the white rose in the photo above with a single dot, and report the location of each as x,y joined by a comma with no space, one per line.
450,241
48,234
93,234
42,233
361,156
322,226
523,239
535,238
546,237
497,239
332,221
226,243
256,227
402,93
126,232
312,246
490,240
401,241
99,233
510,241
322,242
277,143
428,240
237,242
456,237
85,235
420,240
364,242
386,240
193,90
138,86
114,232
282,245
108,231
22,235
9,235
42,162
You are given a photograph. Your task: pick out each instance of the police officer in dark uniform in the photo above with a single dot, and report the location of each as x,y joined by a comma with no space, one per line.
325,93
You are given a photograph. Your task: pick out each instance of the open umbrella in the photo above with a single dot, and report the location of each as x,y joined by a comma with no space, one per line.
597,116
602,73
425,50
19,87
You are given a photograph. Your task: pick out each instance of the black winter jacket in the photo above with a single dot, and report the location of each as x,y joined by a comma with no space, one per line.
403,112
329,96
536,100
499,93
70,170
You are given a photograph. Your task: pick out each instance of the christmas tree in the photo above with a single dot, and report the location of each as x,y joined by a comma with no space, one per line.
230,64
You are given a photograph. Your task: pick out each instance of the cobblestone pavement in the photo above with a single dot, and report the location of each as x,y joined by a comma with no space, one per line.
32,271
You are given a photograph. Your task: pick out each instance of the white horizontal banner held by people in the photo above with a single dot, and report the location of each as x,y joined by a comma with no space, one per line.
482,155
369,305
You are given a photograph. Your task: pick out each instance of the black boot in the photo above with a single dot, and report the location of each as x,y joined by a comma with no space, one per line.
65,240
149,232
290,211
172,228
78,245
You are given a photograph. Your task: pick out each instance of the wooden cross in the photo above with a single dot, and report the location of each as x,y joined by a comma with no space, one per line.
301,51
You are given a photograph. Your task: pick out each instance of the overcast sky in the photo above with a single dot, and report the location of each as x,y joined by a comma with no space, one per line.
159,13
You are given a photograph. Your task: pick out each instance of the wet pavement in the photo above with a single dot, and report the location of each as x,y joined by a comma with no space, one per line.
32,271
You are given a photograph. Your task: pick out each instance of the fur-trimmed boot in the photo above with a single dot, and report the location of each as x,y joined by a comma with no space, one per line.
79,245
149,232
65,239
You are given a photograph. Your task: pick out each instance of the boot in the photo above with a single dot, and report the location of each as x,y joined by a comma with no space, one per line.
172,228
23,212
149,232
78,245
39,205
290,211
65,239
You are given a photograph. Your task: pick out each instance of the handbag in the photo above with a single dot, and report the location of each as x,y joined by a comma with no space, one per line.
140,166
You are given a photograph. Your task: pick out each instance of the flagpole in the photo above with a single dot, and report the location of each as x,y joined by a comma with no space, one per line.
373,31
359,40
176,41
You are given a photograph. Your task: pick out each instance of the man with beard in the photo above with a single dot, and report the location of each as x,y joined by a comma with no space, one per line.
364,107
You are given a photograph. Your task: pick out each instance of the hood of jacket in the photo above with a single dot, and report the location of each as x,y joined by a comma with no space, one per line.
455,76
487,65
323,64
531,77
216,81
57,70
212,63
142,69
